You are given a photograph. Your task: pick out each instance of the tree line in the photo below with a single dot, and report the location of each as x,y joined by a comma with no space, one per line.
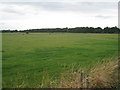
68,30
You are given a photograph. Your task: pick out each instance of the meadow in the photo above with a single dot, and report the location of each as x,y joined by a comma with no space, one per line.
27,58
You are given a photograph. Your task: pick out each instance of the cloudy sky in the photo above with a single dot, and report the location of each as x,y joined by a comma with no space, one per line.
27,15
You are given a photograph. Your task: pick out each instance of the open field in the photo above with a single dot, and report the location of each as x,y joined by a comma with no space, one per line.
28,57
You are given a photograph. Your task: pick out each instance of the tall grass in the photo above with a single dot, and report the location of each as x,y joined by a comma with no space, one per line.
105,75
102,76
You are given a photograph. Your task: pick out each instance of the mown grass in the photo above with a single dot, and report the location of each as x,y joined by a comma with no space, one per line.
28,57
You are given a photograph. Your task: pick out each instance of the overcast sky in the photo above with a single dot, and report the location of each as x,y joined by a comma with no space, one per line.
28,15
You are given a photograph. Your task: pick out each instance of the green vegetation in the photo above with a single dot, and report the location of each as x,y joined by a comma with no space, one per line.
70,30
29,57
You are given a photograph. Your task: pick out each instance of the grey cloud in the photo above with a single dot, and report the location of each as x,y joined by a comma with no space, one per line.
104,17
86,7
1,23
10,10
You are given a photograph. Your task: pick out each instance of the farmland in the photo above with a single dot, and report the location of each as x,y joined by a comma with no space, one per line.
28,57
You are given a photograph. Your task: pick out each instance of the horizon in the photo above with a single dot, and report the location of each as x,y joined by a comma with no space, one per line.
58,27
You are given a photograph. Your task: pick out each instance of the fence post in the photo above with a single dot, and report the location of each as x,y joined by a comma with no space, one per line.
81,79
87,81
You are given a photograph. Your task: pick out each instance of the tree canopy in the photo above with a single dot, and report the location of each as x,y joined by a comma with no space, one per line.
69,30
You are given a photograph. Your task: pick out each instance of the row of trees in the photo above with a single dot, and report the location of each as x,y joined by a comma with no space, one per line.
70,30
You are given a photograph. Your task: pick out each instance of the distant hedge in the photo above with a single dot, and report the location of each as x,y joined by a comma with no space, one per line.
69,30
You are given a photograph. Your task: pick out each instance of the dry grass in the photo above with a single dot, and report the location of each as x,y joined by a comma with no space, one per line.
104,76
101,76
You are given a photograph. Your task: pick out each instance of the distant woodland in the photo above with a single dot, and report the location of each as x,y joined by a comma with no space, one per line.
68,30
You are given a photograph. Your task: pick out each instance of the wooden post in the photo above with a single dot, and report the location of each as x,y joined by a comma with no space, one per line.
87,81
81,79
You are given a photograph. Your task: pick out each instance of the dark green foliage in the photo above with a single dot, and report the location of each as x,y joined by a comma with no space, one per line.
27,32
71,30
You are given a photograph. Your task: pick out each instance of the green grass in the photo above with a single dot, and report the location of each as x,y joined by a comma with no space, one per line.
27,58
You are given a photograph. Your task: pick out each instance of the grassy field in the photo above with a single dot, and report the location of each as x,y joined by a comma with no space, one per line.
28,57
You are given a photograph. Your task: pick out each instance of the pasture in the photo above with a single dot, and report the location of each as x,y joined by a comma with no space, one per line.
29,57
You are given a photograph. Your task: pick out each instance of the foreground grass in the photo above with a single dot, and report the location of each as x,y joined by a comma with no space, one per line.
27,58
104,75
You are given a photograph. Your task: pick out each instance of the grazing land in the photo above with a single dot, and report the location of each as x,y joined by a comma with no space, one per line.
29,57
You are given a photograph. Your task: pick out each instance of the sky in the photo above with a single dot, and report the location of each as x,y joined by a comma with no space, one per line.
58,14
